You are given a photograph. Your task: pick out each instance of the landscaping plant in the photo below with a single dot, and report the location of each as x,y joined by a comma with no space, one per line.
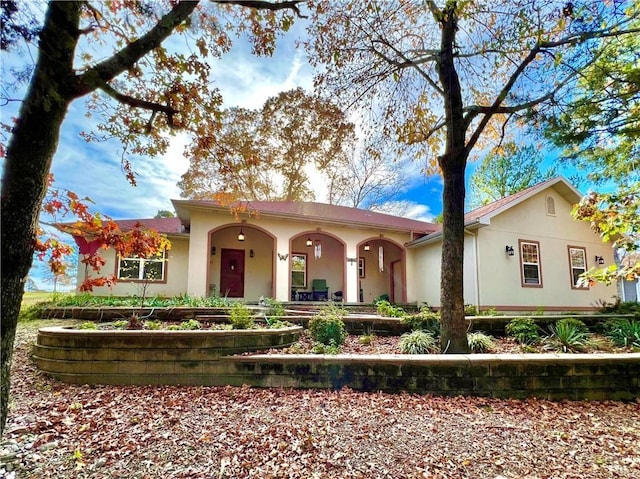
575,322
327,327
623,332
480,342
418,342
425,320
524,330
385,308
568,337
241,317
190,325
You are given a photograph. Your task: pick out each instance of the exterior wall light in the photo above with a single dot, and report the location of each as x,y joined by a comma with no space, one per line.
241,235
309,241
509,250
599,260
367,247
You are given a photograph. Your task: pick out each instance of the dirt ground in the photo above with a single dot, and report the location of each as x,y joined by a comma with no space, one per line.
56,430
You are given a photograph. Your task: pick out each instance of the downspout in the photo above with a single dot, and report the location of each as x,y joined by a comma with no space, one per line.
476,282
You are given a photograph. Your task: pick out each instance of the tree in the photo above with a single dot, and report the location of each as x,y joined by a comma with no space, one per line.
155,91
165,214
447,80
269,154
64,276
30,285
371,177
598,129
505,171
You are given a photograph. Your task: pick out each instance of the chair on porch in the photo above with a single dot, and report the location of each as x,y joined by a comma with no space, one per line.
320,290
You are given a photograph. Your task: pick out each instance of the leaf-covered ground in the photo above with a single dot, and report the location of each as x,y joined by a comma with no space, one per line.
62,431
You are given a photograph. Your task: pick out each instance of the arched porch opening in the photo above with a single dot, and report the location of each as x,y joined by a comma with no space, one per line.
241,262
317,255
381,270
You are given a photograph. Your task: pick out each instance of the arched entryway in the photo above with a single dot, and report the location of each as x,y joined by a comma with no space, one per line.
381,270
241,262
320,256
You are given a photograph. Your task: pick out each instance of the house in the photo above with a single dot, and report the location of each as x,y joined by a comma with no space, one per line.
523,252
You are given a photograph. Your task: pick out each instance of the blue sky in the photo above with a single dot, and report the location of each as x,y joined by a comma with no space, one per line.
94,169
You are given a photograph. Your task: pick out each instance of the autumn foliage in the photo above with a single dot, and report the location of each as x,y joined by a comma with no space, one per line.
92,232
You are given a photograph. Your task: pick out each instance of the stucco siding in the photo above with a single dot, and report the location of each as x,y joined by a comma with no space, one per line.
175,272
500,274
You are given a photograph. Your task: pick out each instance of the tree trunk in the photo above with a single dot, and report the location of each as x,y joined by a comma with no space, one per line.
452,164
27,167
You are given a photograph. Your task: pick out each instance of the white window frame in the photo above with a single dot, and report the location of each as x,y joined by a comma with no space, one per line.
304,271
523,263
572,267
141,268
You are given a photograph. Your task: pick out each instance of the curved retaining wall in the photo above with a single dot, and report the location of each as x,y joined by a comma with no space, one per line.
205,358
148,357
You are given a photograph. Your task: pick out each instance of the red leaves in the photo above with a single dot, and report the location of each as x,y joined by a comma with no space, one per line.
91,232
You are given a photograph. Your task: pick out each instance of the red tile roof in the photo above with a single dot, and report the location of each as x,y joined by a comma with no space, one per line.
161,225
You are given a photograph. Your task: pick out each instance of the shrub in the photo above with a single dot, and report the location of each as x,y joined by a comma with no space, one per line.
623,332
470,310
366,339
480,342
277,323
567,337
152,325
320,348
418,342
30,313
425,320
618,307
524,330
385,308
327,327
575,322
274,308
190,325
88,325
120,324
240,317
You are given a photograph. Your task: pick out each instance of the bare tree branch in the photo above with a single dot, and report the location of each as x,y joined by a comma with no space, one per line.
263,5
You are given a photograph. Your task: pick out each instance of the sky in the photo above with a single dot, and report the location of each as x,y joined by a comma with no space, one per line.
94,169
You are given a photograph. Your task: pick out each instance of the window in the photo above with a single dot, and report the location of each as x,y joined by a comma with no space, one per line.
551,206
142,269
361,268
299,270
530,263
577,265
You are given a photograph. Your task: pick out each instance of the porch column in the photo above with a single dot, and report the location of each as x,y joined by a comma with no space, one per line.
352,286
282,263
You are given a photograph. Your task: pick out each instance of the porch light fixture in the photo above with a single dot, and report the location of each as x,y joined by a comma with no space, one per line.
309,241
251,254
241,235
352,260
599,260
367,247
213,251
509,250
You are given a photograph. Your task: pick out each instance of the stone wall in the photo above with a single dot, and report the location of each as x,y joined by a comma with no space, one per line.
204,358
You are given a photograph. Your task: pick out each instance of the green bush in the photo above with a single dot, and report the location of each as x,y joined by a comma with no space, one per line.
567,337
480,342
386,309
618,307
152,325
470,310
524,330
319,348
425,320
418,342
190,325
31,313
327,327
241,317
88,325
623,332
366,339
274,308
120,324
575,322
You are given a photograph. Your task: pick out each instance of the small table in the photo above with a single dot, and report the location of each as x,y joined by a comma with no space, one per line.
305,295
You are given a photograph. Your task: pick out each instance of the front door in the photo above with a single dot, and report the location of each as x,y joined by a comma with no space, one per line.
396,281
232,273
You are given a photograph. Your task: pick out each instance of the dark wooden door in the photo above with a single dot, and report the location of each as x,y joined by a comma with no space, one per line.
232,273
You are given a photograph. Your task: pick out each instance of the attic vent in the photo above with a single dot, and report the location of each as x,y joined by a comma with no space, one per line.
551,206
